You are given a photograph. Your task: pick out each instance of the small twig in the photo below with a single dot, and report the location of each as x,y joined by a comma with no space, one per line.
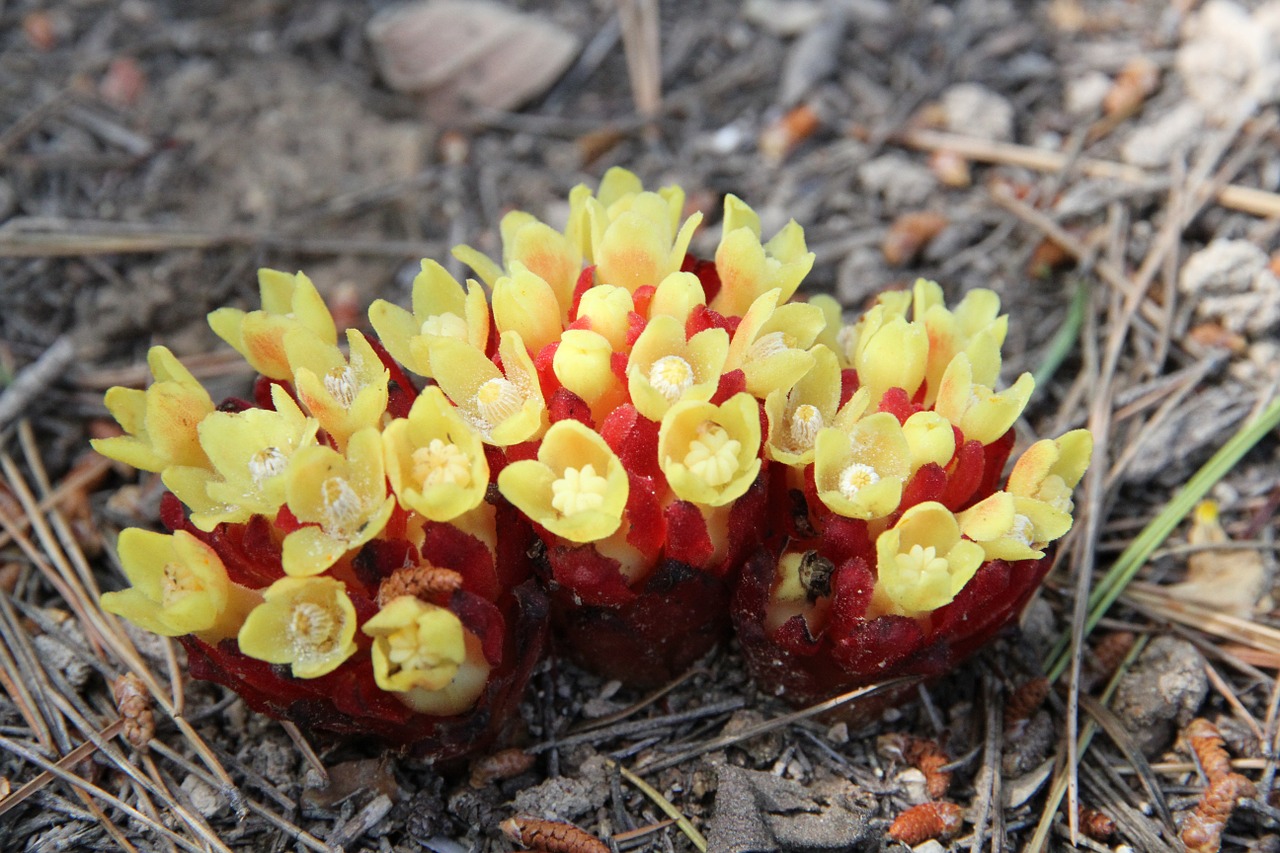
1234,197
34,379
668,808
775,723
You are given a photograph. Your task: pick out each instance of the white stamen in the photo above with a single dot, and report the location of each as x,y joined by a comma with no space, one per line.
341,506
806,421
922,562
1022,529
439,463
446,325
578,490
713,455
856,477
311,629
767,345
671,376
267,462
177,582
342,385
497,400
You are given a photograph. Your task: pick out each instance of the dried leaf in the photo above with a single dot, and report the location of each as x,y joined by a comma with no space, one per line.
475,52
950,168
909,234
1229,580
780,137
1133,85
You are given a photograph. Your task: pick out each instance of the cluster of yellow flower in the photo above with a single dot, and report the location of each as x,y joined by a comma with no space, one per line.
609,387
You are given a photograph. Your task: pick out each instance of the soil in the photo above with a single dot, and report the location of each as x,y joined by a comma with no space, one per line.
155,153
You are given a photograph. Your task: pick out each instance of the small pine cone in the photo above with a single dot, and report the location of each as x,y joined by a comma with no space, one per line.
1024,702
422,581
1205,742
551,836
134,704
1202,829
930,759
926,821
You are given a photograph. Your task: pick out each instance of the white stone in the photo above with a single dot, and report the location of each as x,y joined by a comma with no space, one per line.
975,110
1230,281
1155,144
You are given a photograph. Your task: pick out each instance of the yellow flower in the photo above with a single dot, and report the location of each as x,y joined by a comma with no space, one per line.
577,488
440,309
796,416
249,451
161,422
435,461
1013,527
930,438
982,414
711,454
308,623
344,394
608,307
676,296
345,495
288,302
524,303
1051,468
922,562
538,248
423,654
860,472
972,327
179,587
664,368
771,343
584,364
748,269
890,353
504,406
629,234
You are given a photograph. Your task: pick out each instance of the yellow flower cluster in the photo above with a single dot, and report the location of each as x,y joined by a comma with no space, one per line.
735,377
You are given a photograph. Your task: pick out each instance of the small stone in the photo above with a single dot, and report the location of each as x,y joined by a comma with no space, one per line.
1162,693
757,812
565,798
207,801
1155,144
1231,281
1230,58
902,182
930,846
974,110
761,750
1083,95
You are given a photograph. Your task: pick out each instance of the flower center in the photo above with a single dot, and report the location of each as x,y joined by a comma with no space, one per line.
580,489
267,462
446,325
311,628
767,345
856,477
806,420
439,463
922,562
1022,529
177,582
341,385
713,455
341,505
406,650
671,376
497,400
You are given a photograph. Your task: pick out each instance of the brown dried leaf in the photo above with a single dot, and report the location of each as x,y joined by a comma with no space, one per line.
469,51
779,138
909,234
1229,580
351,777
1133,85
